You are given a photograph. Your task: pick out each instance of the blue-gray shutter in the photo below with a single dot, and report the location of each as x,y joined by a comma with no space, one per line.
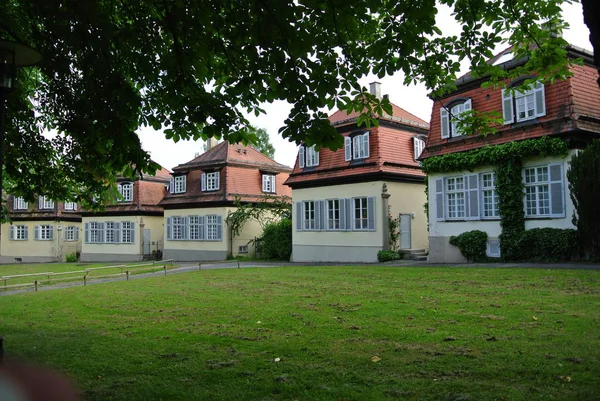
301,152
118,231
203,185
169,228
557,192
371,213
36,233
507,107
323,215
133,232
540,100
472,197
51,235
349,214
86,233
347,148
317,214
184,183
26,232
172,185
202,227
298,216
444,122
342,211
218,179
76,235
439,199
11,232
365,144
219,228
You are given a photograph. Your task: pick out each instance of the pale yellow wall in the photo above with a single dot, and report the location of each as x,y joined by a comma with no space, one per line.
119,249
252,230
199,245
57,248
156,225
340,238
410,198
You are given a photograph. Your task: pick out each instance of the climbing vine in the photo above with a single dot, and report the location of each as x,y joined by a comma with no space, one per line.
393,224
507,159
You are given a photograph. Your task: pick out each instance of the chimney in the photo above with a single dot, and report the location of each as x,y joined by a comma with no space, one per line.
386,97
375,89
211,143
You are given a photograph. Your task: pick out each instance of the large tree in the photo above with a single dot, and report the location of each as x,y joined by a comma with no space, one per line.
192,67
260,141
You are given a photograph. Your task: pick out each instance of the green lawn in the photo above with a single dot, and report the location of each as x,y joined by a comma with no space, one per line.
311,333
36,268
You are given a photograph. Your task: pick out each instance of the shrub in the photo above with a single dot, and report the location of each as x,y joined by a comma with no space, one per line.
276,240
472,245
71,257
386,256
548,245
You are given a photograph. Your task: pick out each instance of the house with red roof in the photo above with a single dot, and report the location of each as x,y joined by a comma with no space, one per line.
468,199
206,189
131,228
40,231
342,200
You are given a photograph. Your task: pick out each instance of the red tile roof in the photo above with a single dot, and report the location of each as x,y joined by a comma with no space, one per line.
390,151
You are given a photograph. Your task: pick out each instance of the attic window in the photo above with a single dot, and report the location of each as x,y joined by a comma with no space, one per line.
507,56
308,157
126,191
356,146
418,146
178,184
450,116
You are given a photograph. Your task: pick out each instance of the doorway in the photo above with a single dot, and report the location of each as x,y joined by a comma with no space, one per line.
405,230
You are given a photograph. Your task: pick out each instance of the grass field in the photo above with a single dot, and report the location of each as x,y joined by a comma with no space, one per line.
320,333
35,268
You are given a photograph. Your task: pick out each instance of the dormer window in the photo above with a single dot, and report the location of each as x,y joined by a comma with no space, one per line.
126,191
418,146
210,181
19,203
523,104
450,116
308,157
46,203
268,183
178,184
356,147
70,206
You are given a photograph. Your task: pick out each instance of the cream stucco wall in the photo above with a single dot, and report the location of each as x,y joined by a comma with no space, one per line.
112,249
411,198
156,225
36,250
440,231
251,230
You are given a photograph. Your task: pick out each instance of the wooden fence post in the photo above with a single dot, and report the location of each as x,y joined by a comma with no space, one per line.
85,280
36,284
127,272
238,264
199,266
165,268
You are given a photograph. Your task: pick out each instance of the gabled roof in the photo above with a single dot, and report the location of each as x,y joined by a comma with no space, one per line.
399,115
235,154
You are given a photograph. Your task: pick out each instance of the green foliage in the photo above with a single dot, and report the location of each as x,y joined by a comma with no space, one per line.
71,257
472,245
509,187
276,241
192,71
547,245
495,154
259,138
394,234
267,211
387,255
584,185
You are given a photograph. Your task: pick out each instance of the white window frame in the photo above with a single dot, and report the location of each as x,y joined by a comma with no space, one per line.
308,215
71,233
489,196
212,227
243,249
46,203
212,181
178,228
111,232
492,249
455,190
356,147
20,204
195,228
333,214
127,232
537,191
70,206
449,118
360,214
96,232
179,184
125,189
418,147
532,102
19,233
268,183
46,232
312,157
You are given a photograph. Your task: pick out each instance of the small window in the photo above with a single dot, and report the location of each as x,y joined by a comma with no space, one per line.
493,249
18,233
268,183
71,233
46,203
44,233
356,147
19,203
418,146
361,216
210,181
333,214
523,104
450,116
213,228
126,191
178,184
70,206
308,157
309,215
243,249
